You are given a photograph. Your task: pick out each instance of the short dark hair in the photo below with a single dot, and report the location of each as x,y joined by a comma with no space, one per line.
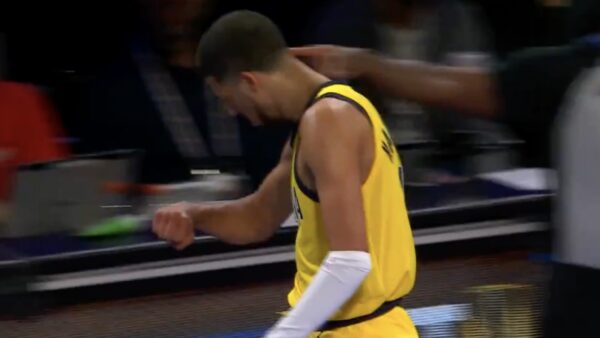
240,41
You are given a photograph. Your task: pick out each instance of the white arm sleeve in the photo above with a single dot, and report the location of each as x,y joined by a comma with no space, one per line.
341,273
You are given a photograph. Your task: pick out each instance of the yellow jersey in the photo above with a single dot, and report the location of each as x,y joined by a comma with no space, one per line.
389,234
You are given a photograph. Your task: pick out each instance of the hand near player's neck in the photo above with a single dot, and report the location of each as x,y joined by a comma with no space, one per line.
298,84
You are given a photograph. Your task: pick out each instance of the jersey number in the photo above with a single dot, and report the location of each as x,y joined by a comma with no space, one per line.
296,205
388,145
390,149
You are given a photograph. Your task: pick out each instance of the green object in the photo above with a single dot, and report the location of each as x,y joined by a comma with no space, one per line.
123,225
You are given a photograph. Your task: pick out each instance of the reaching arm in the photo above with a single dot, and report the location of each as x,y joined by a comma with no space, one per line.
464,89
334,141
248,220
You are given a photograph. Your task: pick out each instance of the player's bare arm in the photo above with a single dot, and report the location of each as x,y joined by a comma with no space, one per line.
252,219
470,90
337,151
335,156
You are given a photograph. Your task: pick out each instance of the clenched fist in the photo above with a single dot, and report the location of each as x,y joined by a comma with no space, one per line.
175,225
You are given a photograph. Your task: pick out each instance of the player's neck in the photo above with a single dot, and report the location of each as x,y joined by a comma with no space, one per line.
302,82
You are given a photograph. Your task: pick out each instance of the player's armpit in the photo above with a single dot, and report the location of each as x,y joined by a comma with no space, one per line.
272,198
335,139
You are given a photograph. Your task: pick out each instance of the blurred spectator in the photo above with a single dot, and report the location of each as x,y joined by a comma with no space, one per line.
154,100
29,131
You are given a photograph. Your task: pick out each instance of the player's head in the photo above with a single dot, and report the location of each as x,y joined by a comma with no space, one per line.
240,55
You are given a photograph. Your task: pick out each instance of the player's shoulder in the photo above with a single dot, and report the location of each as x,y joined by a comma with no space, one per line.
334,115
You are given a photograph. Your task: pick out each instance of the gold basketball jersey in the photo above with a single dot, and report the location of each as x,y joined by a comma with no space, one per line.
389,234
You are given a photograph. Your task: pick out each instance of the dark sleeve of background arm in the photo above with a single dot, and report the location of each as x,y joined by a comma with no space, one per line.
531,85
519,84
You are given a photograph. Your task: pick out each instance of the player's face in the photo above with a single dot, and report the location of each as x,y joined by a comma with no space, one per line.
246,96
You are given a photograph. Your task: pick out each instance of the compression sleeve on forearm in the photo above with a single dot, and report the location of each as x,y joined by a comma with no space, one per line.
340,275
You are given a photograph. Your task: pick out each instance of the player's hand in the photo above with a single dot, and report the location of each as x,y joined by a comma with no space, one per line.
336,62
174,224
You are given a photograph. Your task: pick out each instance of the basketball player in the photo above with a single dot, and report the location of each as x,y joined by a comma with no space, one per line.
355,253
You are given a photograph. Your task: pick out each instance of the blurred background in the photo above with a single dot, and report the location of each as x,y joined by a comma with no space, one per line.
103,118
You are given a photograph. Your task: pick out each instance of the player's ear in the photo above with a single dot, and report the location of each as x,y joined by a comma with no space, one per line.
250,80
213,84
